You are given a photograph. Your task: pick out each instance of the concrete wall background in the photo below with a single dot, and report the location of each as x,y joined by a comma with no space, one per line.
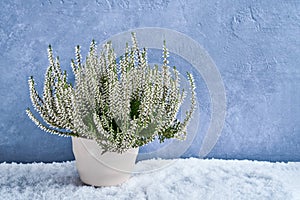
254,44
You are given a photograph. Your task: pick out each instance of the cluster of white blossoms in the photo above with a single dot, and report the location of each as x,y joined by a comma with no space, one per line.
120,103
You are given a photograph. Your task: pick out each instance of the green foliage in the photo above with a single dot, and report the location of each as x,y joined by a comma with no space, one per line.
121,105
134,108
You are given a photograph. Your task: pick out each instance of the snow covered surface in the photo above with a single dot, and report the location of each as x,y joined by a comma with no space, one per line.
157,179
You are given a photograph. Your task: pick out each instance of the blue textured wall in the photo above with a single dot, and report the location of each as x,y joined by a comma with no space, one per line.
254,44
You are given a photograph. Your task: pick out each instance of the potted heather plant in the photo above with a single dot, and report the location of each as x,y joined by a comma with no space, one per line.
114,106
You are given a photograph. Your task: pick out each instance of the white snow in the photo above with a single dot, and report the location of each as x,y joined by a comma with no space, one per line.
157,179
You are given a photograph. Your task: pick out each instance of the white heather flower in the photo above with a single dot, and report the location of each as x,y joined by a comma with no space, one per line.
120,105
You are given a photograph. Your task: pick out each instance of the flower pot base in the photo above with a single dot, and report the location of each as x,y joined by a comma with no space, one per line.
102,170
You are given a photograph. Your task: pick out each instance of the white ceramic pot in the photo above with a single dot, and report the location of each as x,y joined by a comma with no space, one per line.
102,170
